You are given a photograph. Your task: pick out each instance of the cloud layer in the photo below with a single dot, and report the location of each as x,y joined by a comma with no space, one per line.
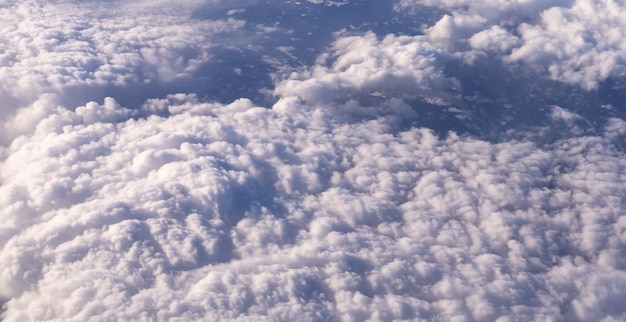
339,201
71,49
233,211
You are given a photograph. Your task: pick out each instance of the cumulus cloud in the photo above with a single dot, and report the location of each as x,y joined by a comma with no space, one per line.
495,39
577,42
53,47
578,46
233,211
324,206
401,66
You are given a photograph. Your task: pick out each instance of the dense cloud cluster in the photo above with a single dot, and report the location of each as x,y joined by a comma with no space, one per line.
401,66
233,211
325,206
576,41
71,49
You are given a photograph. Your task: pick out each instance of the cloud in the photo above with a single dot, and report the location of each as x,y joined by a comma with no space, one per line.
494,39
578,47
338,202
55,47
565,40
233,211
400,66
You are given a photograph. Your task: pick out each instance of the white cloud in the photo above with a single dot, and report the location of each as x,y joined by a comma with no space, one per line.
400,66
241,212
575,45
50,47
577,42
322,207
494,39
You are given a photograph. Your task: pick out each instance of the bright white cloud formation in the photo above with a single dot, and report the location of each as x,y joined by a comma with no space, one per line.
578,42
398,65
318,208
238,211
73,51
49,47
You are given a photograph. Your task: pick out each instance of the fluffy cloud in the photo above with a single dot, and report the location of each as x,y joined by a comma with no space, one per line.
339,202
59,47
581,44
577,42
401,66
233,211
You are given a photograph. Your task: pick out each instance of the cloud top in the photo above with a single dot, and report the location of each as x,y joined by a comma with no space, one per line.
50,47
337,202
401,66
576,42
233,211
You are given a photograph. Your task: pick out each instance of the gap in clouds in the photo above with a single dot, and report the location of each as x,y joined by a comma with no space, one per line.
499,98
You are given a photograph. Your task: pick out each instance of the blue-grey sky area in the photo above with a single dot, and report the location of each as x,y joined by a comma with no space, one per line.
210,160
